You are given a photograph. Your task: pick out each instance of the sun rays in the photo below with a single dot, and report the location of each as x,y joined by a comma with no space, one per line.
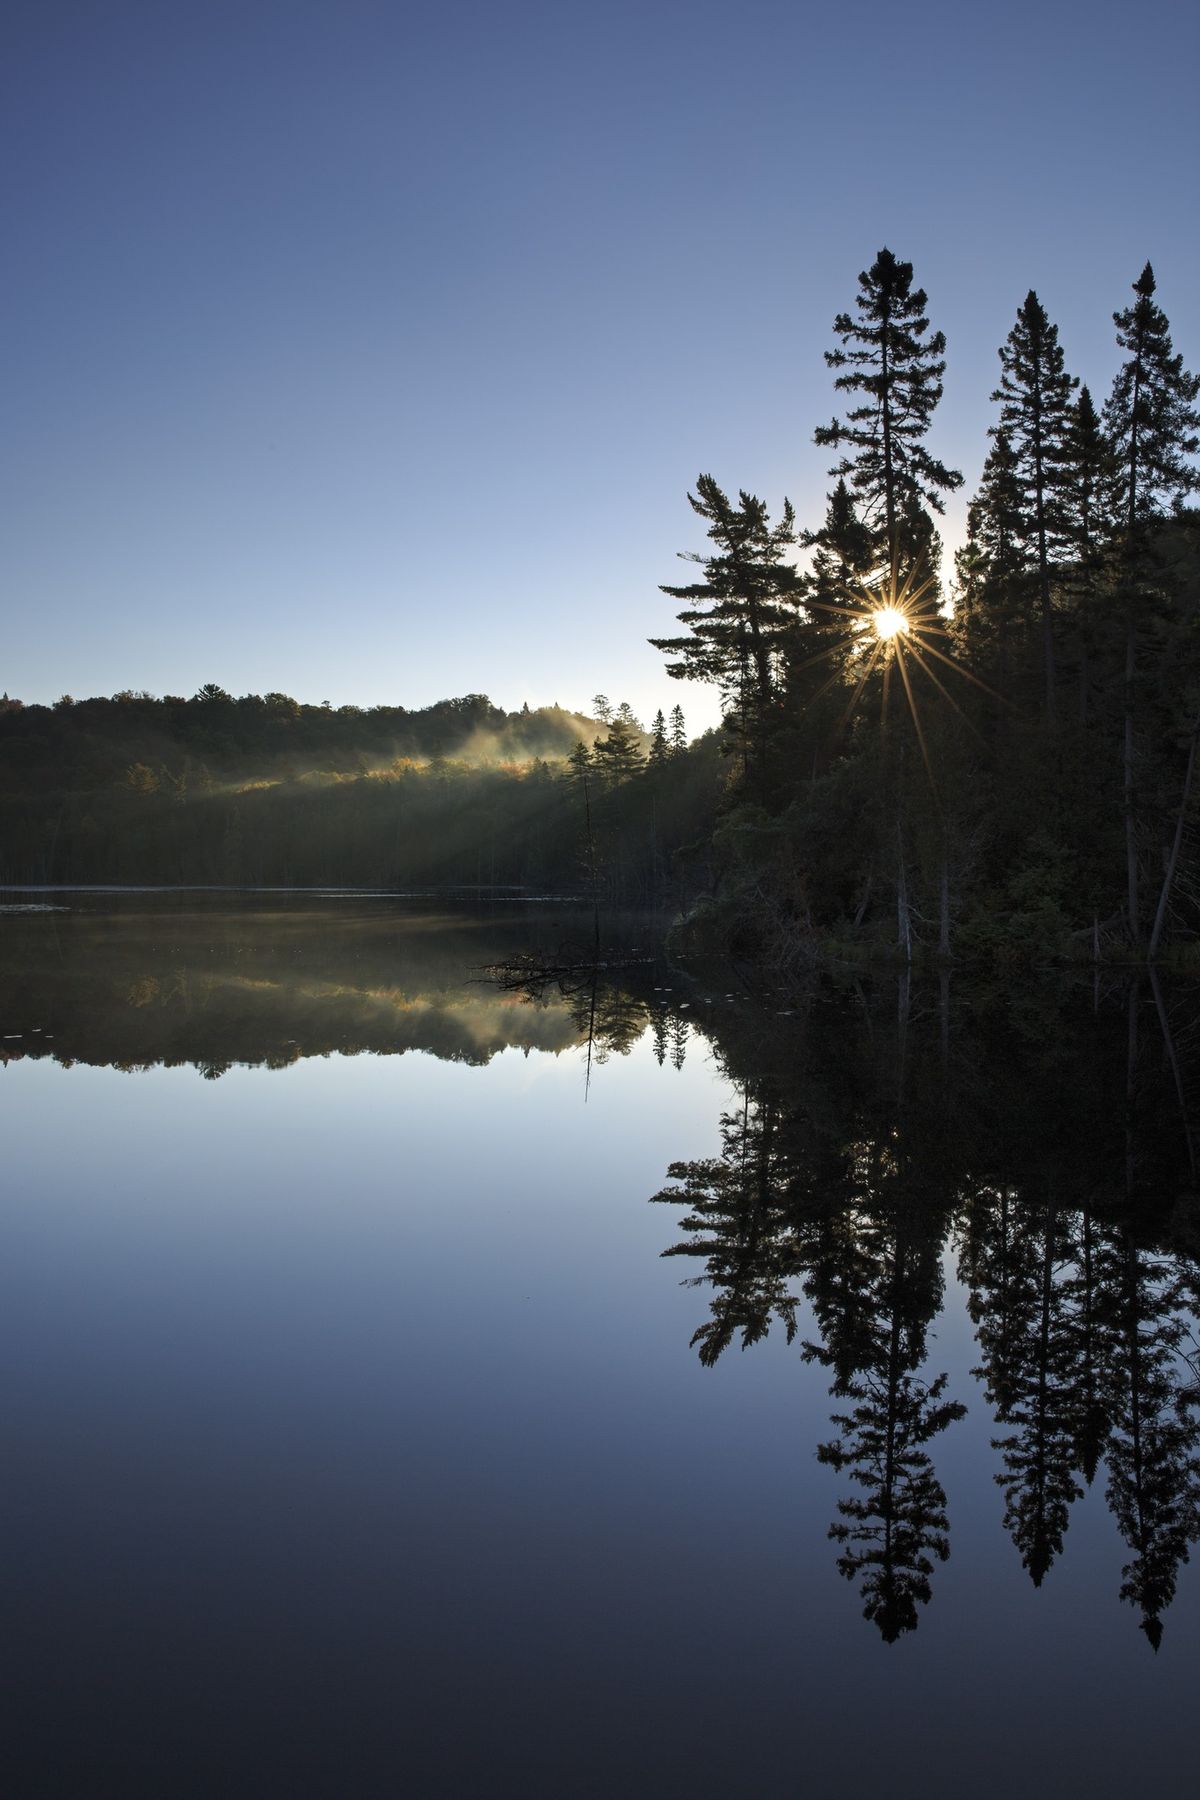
891,624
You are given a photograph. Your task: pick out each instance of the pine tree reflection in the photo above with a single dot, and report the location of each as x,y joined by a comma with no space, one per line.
1152,1452
737,1221
874,1298
1017,1258
781,1207
841,1177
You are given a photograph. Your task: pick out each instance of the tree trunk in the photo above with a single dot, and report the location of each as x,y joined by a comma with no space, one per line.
944,910
903,917
1172,862
1131,866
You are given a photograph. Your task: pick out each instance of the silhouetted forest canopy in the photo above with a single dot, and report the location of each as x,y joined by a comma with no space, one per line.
994,763
1001,765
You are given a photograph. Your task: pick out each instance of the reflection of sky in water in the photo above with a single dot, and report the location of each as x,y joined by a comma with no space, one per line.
355,1446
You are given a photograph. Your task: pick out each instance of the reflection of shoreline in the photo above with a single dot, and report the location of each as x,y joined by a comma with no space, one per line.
135,987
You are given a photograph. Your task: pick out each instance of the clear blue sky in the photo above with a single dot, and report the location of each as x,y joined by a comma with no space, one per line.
367,351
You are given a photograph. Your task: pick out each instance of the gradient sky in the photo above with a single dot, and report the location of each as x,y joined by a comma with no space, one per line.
367,351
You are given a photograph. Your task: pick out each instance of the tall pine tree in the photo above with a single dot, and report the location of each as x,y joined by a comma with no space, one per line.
890,358
1154,430
1035,400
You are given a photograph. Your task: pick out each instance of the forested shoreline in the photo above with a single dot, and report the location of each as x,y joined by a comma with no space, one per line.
263,791
996,765
1009,776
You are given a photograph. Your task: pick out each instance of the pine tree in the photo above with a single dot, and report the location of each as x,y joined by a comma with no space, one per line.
1086,527
1154,430
1035,401
833,598
1150,416
658,740
619,755
602,708
678,731
738,615
888,356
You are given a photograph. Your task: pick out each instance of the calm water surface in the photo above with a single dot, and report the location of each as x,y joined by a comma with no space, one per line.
361,1440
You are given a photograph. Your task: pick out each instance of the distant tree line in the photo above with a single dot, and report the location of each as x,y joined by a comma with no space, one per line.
263,790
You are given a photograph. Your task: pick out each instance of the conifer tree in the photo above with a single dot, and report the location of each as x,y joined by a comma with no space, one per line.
1154,431
678,730
833,598
619,755
995,548
1035,399
889,357
738,615
1151,416
1085,521
658,740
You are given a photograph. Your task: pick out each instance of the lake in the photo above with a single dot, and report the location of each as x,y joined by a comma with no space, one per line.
422,1384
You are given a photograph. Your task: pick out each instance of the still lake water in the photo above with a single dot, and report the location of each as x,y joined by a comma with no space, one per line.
360,1439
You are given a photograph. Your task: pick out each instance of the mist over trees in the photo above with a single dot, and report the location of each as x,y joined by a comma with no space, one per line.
262,790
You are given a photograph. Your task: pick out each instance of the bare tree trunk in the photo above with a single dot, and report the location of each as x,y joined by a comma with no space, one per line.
1131,867
944,909
903,917
1169,1042
863,904
1172,862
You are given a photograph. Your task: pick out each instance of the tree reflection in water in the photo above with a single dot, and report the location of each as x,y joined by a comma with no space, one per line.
1042,1135
871,1140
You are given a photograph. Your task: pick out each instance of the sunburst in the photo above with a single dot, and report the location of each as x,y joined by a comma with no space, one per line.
895,622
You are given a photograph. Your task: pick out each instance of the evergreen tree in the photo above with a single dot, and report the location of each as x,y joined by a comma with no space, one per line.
658,740
1154,430
992,564
738,615
602,708
1085,519
678,730
1151,416
619,755
831,627
1035,401
889,356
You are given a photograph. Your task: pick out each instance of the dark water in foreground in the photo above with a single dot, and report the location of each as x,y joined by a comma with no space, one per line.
360,1440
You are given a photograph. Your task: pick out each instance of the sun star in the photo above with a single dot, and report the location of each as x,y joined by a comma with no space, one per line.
888,621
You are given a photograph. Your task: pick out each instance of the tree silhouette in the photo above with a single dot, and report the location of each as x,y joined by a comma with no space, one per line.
895,1528
1035,398
1030,1357
1153,1452
737,1221
889,356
